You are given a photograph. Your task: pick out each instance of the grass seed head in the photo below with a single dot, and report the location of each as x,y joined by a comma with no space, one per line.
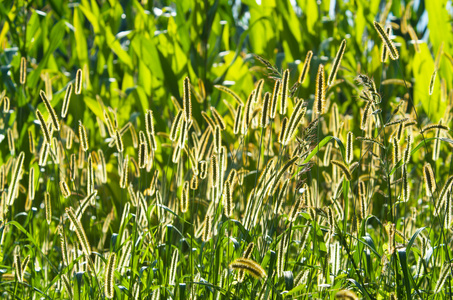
78,82
320,96
218,118
83,137
238,120
443,275
15,178
51,111
284,92
187,103
306,67
66,101
393,52
336,63
343,168
385,49
44,128
174,263
346,295
81,236
250,266
48,206
228,199
349,147
110,276
185,197
405,189
430,181
23,70
431,82
274,99
265,111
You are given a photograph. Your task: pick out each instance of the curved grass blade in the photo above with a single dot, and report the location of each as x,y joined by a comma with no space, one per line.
403,263
322,144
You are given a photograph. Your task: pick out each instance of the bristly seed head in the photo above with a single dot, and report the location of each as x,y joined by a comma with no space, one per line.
349,147
187,103
336,63
306,67
430,181
250,266
284,92
343,168
320,92
83,137
386,39
78,82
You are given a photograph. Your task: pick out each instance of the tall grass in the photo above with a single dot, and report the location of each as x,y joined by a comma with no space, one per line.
231,199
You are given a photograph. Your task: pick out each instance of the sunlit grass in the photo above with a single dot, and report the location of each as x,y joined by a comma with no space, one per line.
285,186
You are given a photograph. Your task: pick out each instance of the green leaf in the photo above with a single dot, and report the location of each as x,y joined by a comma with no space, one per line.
80,38
312,17
55,39
414,236
322,144
94,107
361,288
115,46
439,18
31,238
403,263
148,54
368,241
423,68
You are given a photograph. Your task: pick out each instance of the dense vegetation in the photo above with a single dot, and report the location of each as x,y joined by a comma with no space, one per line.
226,149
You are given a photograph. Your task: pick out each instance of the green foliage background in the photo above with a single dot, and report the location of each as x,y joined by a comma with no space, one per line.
138,54
135,56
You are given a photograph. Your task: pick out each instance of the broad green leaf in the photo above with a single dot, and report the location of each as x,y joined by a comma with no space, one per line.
55,39
439,17
80,39
310,10
322,144
412,240
403,262
423,68
368,241
115,45
146,51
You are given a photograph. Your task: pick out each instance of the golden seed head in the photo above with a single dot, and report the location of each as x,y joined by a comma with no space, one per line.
110,276
66,101
187,103
343,168
430,181
386,39
306,67
83,137
250,266
23,70
284,92
273,104
336,63
320,92
78,82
